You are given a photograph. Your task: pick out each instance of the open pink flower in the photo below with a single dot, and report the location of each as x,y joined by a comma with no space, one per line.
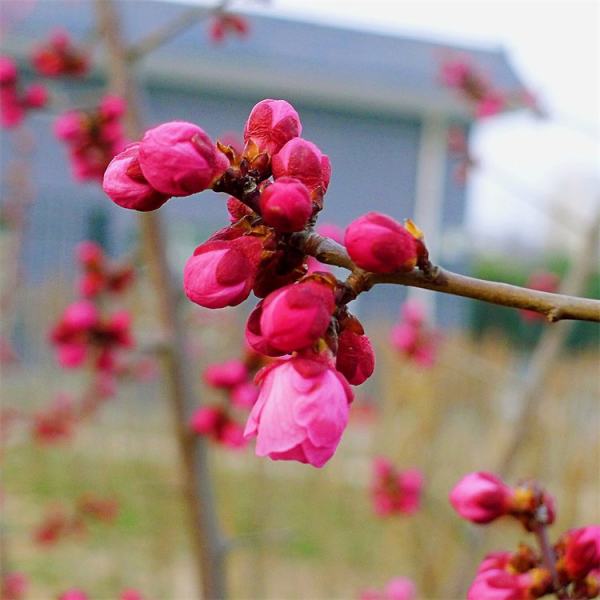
125,184
394,491
271,124
380,244
301,411
222,272
481,497
178,159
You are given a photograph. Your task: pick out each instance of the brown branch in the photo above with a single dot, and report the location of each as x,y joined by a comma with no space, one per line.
168,31
207,543
555,307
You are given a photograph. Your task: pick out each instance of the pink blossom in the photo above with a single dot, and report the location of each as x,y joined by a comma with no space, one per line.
125,184
224,23
228,374
68,126
454,73
71,355
580,549
481,497
398,588
89,254
58,56
355,357
380,244
14,586
231,435
490,105
11,109
222,272
303,160
215,423
244,395
112,107
81,315
496,584
179,159
297,315
205,420
286,205
301,411
271,124
394,491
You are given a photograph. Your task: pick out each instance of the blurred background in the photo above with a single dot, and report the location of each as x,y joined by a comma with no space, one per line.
501,194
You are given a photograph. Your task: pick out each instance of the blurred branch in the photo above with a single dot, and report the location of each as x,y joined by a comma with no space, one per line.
168,31
555,307
207,542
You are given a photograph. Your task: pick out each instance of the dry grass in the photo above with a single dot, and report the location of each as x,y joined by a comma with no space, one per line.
299,532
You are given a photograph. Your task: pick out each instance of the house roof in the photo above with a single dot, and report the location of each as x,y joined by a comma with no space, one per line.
325,65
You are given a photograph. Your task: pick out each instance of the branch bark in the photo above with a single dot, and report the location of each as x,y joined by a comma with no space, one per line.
208,545
157,38
555,307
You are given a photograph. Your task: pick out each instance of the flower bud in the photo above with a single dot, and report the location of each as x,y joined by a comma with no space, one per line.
226,375
355,357
286,205
221,273
481,497
302,160
35,96
179,159
8,71
271,124
125,184
379,244
244,395
297,315
205,420
580,549
497,584
394,491
301,411
81,315
89,254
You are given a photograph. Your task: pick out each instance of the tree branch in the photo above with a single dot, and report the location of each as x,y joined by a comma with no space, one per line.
157,38
555,307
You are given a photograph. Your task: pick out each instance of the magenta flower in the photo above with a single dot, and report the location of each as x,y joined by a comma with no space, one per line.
271,124
295,316
379,244
8,71
496,584
35,96
222,272
58,56
301,411
398,588
216,423
286,205
302,160
244,395
394,491
74,594
125,184
131,594
13,586
179,159
481,497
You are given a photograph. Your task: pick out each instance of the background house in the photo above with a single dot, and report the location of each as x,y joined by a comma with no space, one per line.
372,102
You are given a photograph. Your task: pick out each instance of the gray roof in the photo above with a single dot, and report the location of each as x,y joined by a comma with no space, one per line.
325,65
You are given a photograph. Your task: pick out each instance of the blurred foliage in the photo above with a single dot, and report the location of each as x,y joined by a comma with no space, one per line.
490,318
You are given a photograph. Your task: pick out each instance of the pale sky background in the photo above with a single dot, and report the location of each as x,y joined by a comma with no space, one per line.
554,47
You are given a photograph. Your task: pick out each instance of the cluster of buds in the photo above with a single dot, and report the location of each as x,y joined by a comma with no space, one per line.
58,56
394,491
93,137
543,281
235,379
83,334
277,187
99,274
570,568
60,522
223,24
398,588
412,337
460,74
15,102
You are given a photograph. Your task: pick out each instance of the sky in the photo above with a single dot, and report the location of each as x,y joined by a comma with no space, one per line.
554,45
